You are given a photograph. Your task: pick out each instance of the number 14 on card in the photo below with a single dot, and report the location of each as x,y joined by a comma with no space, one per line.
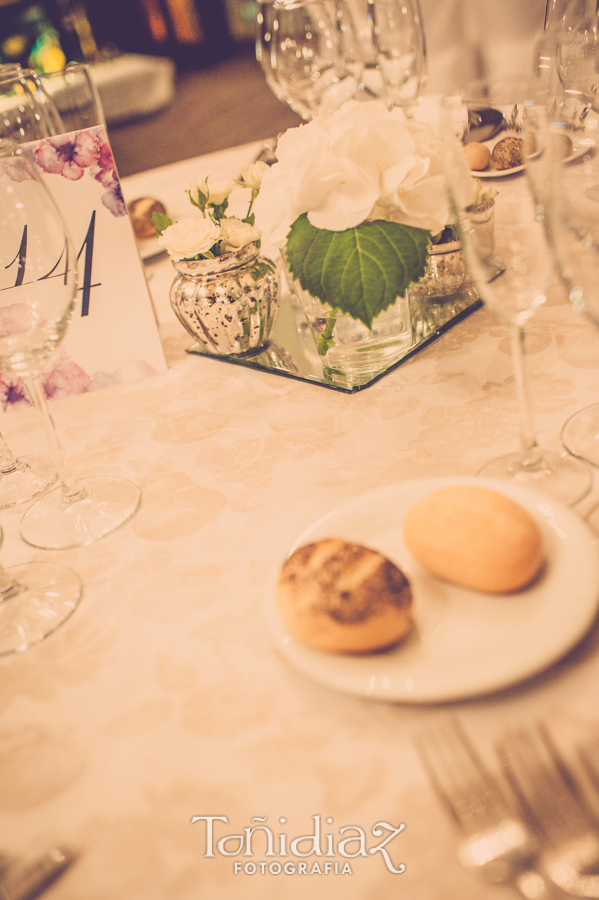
85,258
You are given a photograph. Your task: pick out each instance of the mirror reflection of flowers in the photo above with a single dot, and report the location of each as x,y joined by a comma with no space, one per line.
354,200
211,232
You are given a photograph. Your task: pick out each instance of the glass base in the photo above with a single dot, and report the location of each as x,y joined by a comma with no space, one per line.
580,434
592,519
53,524
559,476
31,479
48,594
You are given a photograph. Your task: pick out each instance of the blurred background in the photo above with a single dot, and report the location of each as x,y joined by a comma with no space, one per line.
193,33
179,78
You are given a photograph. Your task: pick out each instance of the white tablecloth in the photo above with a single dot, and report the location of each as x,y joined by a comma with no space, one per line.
163,697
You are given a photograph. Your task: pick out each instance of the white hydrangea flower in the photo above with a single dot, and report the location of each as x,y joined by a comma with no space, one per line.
359,162
190,237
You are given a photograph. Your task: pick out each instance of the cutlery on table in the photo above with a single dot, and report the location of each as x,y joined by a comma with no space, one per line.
555,807
25,881
497,845
483,124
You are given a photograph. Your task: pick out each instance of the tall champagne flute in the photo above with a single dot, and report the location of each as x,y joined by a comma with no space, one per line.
265,18
571,205
315,56
511,278
400,48
37,294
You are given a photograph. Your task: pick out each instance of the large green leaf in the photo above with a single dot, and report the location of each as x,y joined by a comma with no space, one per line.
360,271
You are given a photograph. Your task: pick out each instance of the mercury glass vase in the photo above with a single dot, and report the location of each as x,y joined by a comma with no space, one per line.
445,274
229,304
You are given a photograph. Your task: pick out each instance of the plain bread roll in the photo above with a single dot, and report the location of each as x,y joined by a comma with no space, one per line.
475,537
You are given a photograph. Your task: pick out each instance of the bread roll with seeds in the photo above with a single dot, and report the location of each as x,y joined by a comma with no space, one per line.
508,153
344,598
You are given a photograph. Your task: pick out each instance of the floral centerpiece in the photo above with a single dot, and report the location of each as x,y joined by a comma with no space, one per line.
354,201
211,232
225,293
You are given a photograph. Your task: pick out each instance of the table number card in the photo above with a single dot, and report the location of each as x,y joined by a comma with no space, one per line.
113,335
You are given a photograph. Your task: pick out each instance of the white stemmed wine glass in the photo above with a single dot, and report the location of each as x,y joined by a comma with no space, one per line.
314,54
400,50
35,598
23,478
511,277
37,292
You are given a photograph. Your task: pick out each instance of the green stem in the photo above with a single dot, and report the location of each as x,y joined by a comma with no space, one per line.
326,340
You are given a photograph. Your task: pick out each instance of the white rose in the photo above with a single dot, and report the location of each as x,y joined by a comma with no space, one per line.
236,234
189,237
252,173
216,191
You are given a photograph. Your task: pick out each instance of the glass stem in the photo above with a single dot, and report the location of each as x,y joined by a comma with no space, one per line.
8,586
72,491
530,454
8,461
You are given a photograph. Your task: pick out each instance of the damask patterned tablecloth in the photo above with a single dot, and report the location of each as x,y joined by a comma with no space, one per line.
163,697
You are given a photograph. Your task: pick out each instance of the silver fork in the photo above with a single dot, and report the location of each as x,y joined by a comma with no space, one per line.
496,844
28,880
555,807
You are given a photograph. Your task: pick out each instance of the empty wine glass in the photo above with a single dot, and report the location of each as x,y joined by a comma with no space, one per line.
400,47
27,112
35,598
511,278
315,57
37,293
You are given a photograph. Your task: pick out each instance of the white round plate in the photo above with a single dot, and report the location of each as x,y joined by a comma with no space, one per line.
464,643
490,172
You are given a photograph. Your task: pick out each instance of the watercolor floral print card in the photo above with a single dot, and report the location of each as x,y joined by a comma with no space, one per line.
113,336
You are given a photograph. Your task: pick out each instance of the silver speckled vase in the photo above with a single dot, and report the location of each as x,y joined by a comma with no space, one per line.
228,304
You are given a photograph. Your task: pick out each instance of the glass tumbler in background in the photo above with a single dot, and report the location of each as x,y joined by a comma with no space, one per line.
75,96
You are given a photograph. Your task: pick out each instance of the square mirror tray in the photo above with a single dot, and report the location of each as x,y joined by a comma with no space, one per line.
292,349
